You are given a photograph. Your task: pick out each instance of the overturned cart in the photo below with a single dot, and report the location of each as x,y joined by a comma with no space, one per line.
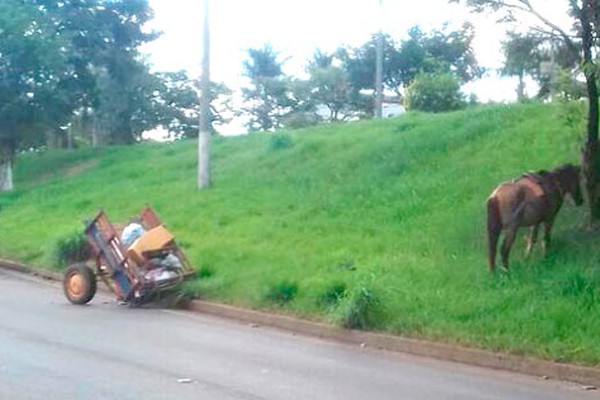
137,264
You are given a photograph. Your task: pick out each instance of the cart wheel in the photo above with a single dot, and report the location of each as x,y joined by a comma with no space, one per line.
79,284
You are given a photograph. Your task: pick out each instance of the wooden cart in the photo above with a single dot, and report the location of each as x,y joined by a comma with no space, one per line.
136,274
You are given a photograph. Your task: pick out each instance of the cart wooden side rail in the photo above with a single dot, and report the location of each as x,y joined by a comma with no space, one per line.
126,276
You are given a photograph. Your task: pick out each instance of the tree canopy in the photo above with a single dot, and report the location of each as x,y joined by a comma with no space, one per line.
74,66
340,85
268,97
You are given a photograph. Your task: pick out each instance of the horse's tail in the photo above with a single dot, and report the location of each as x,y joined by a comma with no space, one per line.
494,228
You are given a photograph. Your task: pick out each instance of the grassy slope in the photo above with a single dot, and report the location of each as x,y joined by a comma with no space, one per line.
395,206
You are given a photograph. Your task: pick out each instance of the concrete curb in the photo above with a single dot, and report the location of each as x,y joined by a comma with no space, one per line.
18,267
442,351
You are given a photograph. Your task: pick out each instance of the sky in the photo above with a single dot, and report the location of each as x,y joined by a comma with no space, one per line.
295,28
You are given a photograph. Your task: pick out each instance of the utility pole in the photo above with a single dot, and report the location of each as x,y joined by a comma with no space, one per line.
204,118
379,68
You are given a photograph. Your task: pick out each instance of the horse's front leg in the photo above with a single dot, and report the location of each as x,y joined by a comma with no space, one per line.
547,229
532,239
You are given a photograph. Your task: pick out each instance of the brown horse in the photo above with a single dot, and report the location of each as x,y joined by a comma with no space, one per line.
531,200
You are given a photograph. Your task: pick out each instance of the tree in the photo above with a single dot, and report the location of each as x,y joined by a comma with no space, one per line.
121,78
437,92
268,97
522,57
452,51
546,60
72,62
32,60
440,51
176,104
582,42
360,66
329,86
106,80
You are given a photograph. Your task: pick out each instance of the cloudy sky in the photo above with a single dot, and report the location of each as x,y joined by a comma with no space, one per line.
295,28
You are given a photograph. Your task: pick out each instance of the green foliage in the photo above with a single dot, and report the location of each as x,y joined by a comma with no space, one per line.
546,49
359,63
71,249
280,141
332,294
280,293
565,87
401,199
435,52
206,271
573,117
522,57
77,64
330,86
434,93
32,63
268,95
355,308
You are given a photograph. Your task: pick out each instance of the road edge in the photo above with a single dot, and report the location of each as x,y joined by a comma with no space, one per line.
441,351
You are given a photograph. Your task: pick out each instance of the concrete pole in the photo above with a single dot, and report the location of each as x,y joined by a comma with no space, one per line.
204,118
379,69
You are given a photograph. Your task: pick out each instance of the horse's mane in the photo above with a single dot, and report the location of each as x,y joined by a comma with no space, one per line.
544,175
539,177
551,181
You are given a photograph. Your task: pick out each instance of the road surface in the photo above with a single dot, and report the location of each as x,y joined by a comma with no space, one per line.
50,349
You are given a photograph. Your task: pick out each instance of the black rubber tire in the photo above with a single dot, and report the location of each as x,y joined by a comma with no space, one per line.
79,284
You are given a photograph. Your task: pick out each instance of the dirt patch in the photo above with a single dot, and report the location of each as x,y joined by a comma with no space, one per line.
80,168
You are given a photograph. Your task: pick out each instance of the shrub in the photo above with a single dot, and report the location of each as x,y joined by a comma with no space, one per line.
355,308
72,248
205,271
332,294
281,293
434,93
280,141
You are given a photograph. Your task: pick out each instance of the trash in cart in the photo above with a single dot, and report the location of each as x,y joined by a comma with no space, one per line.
137,264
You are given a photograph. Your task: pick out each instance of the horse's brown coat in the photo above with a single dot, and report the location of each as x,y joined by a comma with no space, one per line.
532,200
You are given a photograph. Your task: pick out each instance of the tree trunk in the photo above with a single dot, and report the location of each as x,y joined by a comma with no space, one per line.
95,142
6,175
521,89
70,137
51,139
590,161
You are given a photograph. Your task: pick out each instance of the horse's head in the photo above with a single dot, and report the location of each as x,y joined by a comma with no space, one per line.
568,176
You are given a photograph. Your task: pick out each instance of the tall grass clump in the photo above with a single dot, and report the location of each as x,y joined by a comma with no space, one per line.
332,294
72,248
280,141
355,308
280,293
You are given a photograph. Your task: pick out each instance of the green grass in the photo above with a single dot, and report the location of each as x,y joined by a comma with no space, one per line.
391,208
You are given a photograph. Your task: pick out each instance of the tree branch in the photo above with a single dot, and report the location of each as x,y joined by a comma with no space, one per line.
526,7
549,34
567,39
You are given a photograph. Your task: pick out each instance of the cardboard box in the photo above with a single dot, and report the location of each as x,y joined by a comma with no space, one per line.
154,239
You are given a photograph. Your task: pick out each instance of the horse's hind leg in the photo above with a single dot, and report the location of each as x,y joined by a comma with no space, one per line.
507,243
494,228
547,230
533,234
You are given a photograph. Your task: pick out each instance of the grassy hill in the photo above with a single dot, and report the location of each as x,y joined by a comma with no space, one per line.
378,219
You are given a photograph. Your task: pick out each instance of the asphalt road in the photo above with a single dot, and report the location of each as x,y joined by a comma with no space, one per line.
50,349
